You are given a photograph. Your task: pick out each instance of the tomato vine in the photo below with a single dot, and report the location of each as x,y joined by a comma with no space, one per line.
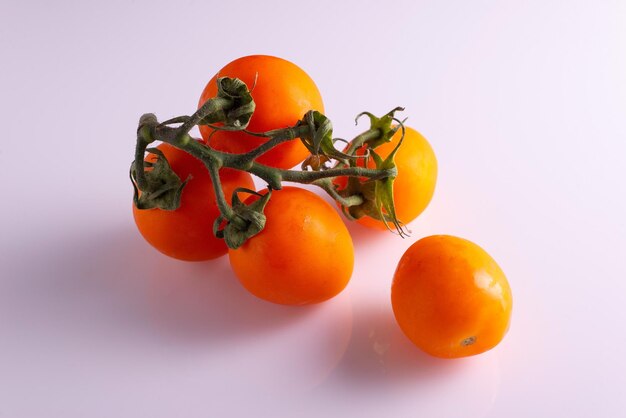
370,189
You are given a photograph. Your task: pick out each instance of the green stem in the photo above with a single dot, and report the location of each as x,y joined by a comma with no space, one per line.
179,119
144,138
213,106
276,137
185,142
328,186
311,176
359,140
273,176
220,197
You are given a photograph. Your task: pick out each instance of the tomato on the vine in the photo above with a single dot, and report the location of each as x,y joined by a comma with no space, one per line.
450,297
187,232
414,185
303,255
282,92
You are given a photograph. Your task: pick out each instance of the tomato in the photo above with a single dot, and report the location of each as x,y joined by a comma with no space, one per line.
187,232
414,185
303,255
450,297
283,93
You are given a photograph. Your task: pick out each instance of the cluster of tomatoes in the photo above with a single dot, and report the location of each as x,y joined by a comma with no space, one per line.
448,295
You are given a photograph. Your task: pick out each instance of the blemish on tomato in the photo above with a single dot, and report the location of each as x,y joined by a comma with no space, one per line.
468,341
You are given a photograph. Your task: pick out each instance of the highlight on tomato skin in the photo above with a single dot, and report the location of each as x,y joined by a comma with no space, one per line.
282,92
187,232
450,297
304,255
415,183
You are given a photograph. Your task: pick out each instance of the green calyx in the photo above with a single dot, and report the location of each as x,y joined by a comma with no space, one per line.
378,201
384,125
245,222
162,189
234,117
320,142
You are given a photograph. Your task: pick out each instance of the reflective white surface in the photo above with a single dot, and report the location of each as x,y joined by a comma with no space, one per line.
525,106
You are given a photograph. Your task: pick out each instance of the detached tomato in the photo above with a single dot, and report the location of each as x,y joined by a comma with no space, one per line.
187,232
283,93
450,297
414,186
303,255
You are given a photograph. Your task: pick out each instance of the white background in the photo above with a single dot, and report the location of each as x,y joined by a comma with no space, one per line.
524,103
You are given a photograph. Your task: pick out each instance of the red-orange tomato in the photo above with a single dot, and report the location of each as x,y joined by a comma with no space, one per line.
283,93
303,255
414,185
187,232
450,297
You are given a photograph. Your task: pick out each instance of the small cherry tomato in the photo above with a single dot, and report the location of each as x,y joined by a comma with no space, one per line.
303,255
450,297
187,232
414,185
282,92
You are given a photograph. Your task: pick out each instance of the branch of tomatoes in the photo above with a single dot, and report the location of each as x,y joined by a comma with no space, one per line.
369,191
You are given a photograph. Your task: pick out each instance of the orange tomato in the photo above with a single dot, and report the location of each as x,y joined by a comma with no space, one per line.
187,232
283,93
450,297
414,185
303,255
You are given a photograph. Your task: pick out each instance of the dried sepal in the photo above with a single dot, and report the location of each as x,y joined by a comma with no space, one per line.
163,188
236,117
247,221
320,141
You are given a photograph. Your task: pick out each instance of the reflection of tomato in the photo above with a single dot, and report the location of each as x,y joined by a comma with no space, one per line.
303,255
450,297
187,232
283,93
414,186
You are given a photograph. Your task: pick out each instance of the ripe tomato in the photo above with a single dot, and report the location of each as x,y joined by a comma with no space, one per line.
303,255
450,297
414,186
187,232
283,93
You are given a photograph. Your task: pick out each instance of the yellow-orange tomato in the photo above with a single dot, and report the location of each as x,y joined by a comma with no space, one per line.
283,93
303,255
414,185
450,297
187,232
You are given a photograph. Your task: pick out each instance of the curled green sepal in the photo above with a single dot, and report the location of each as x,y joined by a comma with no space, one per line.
163,186
378,201
383,192
320,141
237,116
383,125
248,220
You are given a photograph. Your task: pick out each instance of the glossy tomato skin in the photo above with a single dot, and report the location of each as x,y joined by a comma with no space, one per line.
304,254
187,232
283,93
415,183
450,297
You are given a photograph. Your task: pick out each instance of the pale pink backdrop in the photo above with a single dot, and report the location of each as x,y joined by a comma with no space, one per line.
524,104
